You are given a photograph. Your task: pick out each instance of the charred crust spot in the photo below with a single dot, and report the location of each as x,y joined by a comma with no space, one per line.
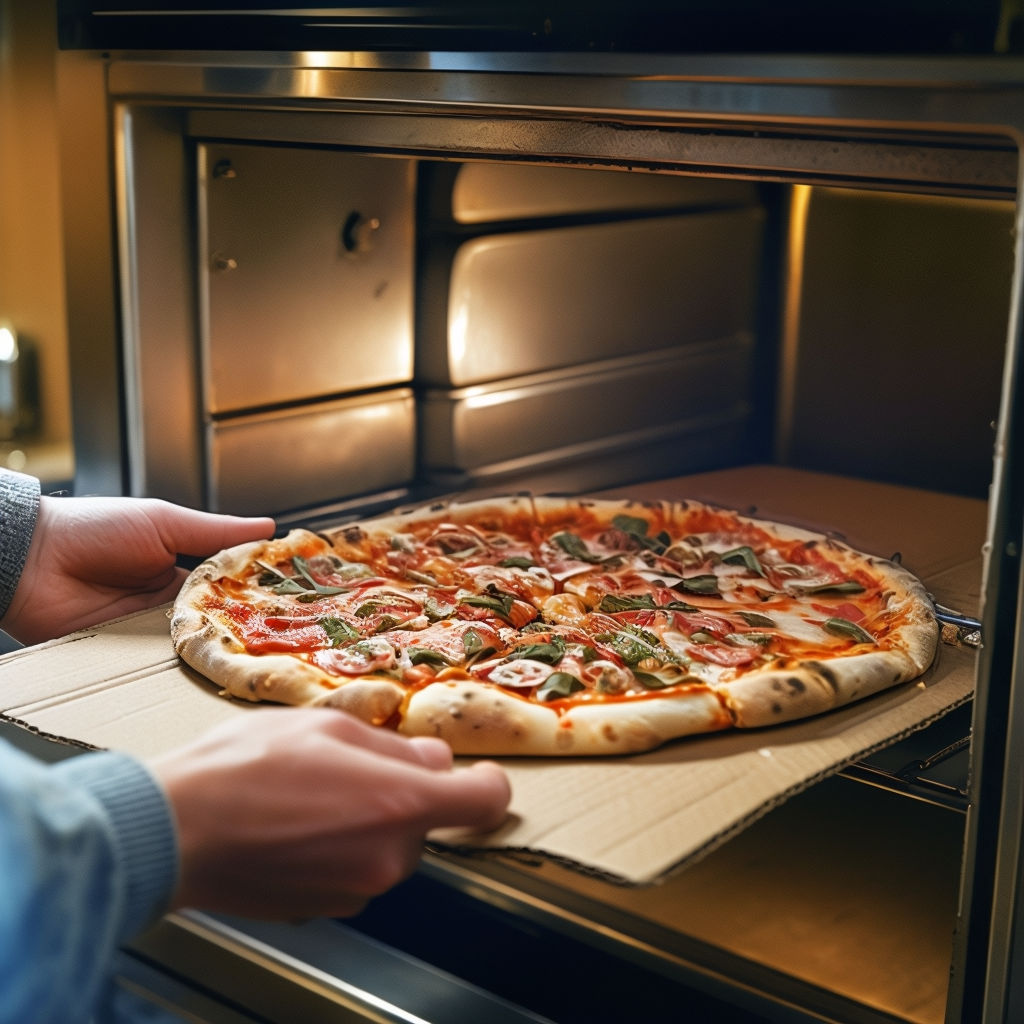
776,708
608,730
796,684
826,674
353,534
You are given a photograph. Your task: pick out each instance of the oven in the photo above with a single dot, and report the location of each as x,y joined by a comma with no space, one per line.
325,261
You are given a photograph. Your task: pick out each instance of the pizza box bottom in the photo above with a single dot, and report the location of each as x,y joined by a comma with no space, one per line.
633,819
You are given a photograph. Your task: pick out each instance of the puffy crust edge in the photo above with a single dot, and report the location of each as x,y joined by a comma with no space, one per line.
477,720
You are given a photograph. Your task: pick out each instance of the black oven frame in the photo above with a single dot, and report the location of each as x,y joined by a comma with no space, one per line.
949,125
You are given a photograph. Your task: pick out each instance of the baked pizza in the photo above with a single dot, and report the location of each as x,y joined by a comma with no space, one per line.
548,626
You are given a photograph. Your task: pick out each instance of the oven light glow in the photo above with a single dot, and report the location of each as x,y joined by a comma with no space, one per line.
457,331
8,345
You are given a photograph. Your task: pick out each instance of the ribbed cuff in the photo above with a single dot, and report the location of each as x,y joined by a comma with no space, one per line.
19,508
143,831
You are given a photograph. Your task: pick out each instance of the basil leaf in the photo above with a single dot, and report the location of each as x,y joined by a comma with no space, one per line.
302,568
473,645
389,622
649,681
421,656
632,644
420,577
630,524
703,637
681,606
842,587
575,547
743,556
550,653
517,562
500,604
844,627
291,586
436,610
338,630
617,603
757,619
707,583
558,684
637,529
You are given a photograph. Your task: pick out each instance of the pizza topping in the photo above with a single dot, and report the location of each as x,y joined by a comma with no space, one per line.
520,673
373,654
304,585
843,627
744,556
575,547
338,630
558,685
704,583
564,609
505,606
757,619
568,606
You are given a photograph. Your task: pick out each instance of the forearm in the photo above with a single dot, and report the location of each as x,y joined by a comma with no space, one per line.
19,509
87,858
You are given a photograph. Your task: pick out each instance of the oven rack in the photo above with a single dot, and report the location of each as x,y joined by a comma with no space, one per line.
930,765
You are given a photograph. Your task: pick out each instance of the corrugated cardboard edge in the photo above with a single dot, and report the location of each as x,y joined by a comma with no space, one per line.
533,856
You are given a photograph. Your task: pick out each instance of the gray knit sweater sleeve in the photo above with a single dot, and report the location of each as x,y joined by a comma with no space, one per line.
19,507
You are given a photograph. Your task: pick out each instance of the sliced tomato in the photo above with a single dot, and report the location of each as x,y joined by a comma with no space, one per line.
842,610
719,654
448,639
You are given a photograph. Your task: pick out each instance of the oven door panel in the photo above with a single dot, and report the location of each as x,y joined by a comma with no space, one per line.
278,461
306,273
527,301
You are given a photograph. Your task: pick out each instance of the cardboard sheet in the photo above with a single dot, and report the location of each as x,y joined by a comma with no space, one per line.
631,819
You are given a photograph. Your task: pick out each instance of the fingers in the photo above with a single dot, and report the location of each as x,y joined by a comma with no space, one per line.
475,797
188,531
425,751
433,753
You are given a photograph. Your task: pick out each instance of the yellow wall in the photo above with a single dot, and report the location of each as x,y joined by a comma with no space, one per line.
31,251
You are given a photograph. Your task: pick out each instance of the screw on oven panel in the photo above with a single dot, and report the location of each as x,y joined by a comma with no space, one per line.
224,169
222,264
357,235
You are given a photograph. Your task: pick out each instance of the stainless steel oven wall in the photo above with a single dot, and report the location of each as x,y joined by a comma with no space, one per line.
879,379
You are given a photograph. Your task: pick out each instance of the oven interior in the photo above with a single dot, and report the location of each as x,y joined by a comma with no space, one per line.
377,330
328,309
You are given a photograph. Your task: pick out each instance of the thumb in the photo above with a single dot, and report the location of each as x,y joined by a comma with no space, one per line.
476,797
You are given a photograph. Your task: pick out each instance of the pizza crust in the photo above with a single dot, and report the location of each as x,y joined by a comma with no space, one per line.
477,719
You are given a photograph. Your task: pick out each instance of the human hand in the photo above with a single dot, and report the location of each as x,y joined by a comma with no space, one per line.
93,559
288,813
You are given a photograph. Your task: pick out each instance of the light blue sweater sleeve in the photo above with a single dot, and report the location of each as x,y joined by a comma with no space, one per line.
88,852
87,859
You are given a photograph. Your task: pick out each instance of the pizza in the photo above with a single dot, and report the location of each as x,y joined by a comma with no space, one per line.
534,625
